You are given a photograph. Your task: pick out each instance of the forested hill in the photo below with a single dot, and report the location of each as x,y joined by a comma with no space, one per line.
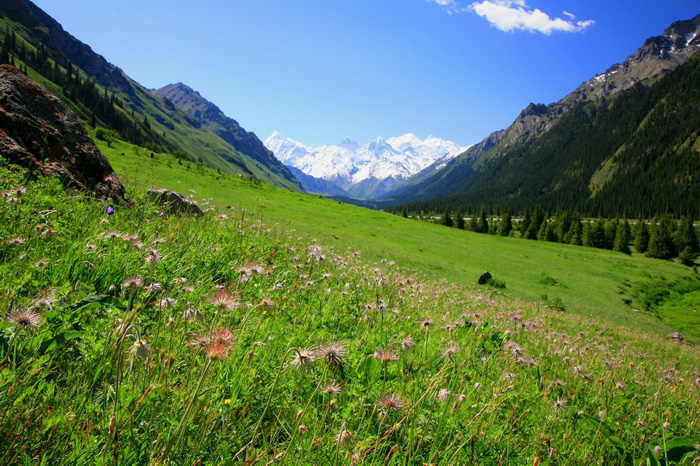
606,151
106,98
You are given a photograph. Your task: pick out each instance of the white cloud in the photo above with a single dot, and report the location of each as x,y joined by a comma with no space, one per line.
515,15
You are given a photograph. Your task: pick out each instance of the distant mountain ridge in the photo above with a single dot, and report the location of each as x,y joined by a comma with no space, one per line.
102,94
520,165
364,170
225,127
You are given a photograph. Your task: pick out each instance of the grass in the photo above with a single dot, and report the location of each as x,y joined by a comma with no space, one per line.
147,338
585,281
141,338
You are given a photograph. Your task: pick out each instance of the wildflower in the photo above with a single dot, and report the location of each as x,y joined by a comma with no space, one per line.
110,210
152,256
132,283
25,318
167,303
425,323
333,353
227,401
40,264
344,438
331,387
220,344
192,314
304,358
443,395
140,350
450,350
385,355
16,240
407,343
154,287
390,402
302,428
560,404
224,300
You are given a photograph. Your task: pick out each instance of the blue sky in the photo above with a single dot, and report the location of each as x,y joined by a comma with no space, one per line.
321,70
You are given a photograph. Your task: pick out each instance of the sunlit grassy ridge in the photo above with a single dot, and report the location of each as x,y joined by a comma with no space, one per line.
145,338
586,281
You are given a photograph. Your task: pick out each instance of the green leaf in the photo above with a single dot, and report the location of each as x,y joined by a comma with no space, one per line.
58,340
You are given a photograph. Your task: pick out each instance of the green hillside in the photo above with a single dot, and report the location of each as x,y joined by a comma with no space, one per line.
103,96
635,154
586,281
134,336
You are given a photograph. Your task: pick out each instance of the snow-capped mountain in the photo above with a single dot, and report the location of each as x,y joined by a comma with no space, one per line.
364,170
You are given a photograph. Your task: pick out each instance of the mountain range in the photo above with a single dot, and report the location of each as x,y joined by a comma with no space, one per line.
362,170
101,94
624,142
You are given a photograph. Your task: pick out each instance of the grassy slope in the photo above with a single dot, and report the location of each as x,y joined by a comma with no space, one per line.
588,281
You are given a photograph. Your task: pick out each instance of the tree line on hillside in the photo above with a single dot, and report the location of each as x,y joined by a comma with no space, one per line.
662,238
98,106
633,155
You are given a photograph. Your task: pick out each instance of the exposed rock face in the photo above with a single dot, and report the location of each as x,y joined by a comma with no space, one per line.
39,132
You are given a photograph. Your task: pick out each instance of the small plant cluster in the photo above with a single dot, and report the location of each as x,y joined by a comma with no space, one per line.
131,336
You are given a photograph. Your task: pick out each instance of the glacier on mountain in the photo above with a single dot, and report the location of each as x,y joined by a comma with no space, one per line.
355,167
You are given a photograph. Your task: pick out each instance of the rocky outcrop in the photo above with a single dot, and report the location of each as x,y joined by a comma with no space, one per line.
41,133
174,202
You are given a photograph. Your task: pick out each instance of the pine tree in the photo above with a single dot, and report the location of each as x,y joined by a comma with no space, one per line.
641,237
622,238
525,224
537,220
460,220
474,223
661,239
506,224
483,220
446,219
576,233
689,247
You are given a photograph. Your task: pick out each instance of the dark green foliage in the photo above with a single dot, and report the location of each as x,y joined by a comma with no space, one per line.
688,242
622,238
459,223
661,239
483,220
446,219
632,153
506,224
641,237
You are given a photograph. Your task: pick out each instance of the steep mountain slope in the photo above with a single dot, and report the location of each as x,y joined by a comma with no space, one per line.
226,128
364,170
101,94
525,164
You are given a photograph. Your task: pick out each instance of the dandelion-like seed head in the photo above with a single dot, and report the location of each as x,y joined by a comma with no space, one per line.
450,350
224,300
385,355
304,359
132,283
560,404
220,344
331,387
425,323
407,343
443,395
27,319
333,353
390,402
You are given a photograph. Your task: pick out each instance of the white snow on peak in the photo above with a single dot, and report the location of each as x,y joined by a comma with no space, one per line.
349,162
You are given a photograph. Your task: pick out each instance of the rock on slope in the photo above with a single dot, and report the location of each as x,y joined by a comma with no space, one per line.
39,132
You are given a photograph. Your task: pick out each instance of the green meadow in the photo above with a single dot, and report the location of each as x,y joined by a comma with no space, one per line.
590,282
280,328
